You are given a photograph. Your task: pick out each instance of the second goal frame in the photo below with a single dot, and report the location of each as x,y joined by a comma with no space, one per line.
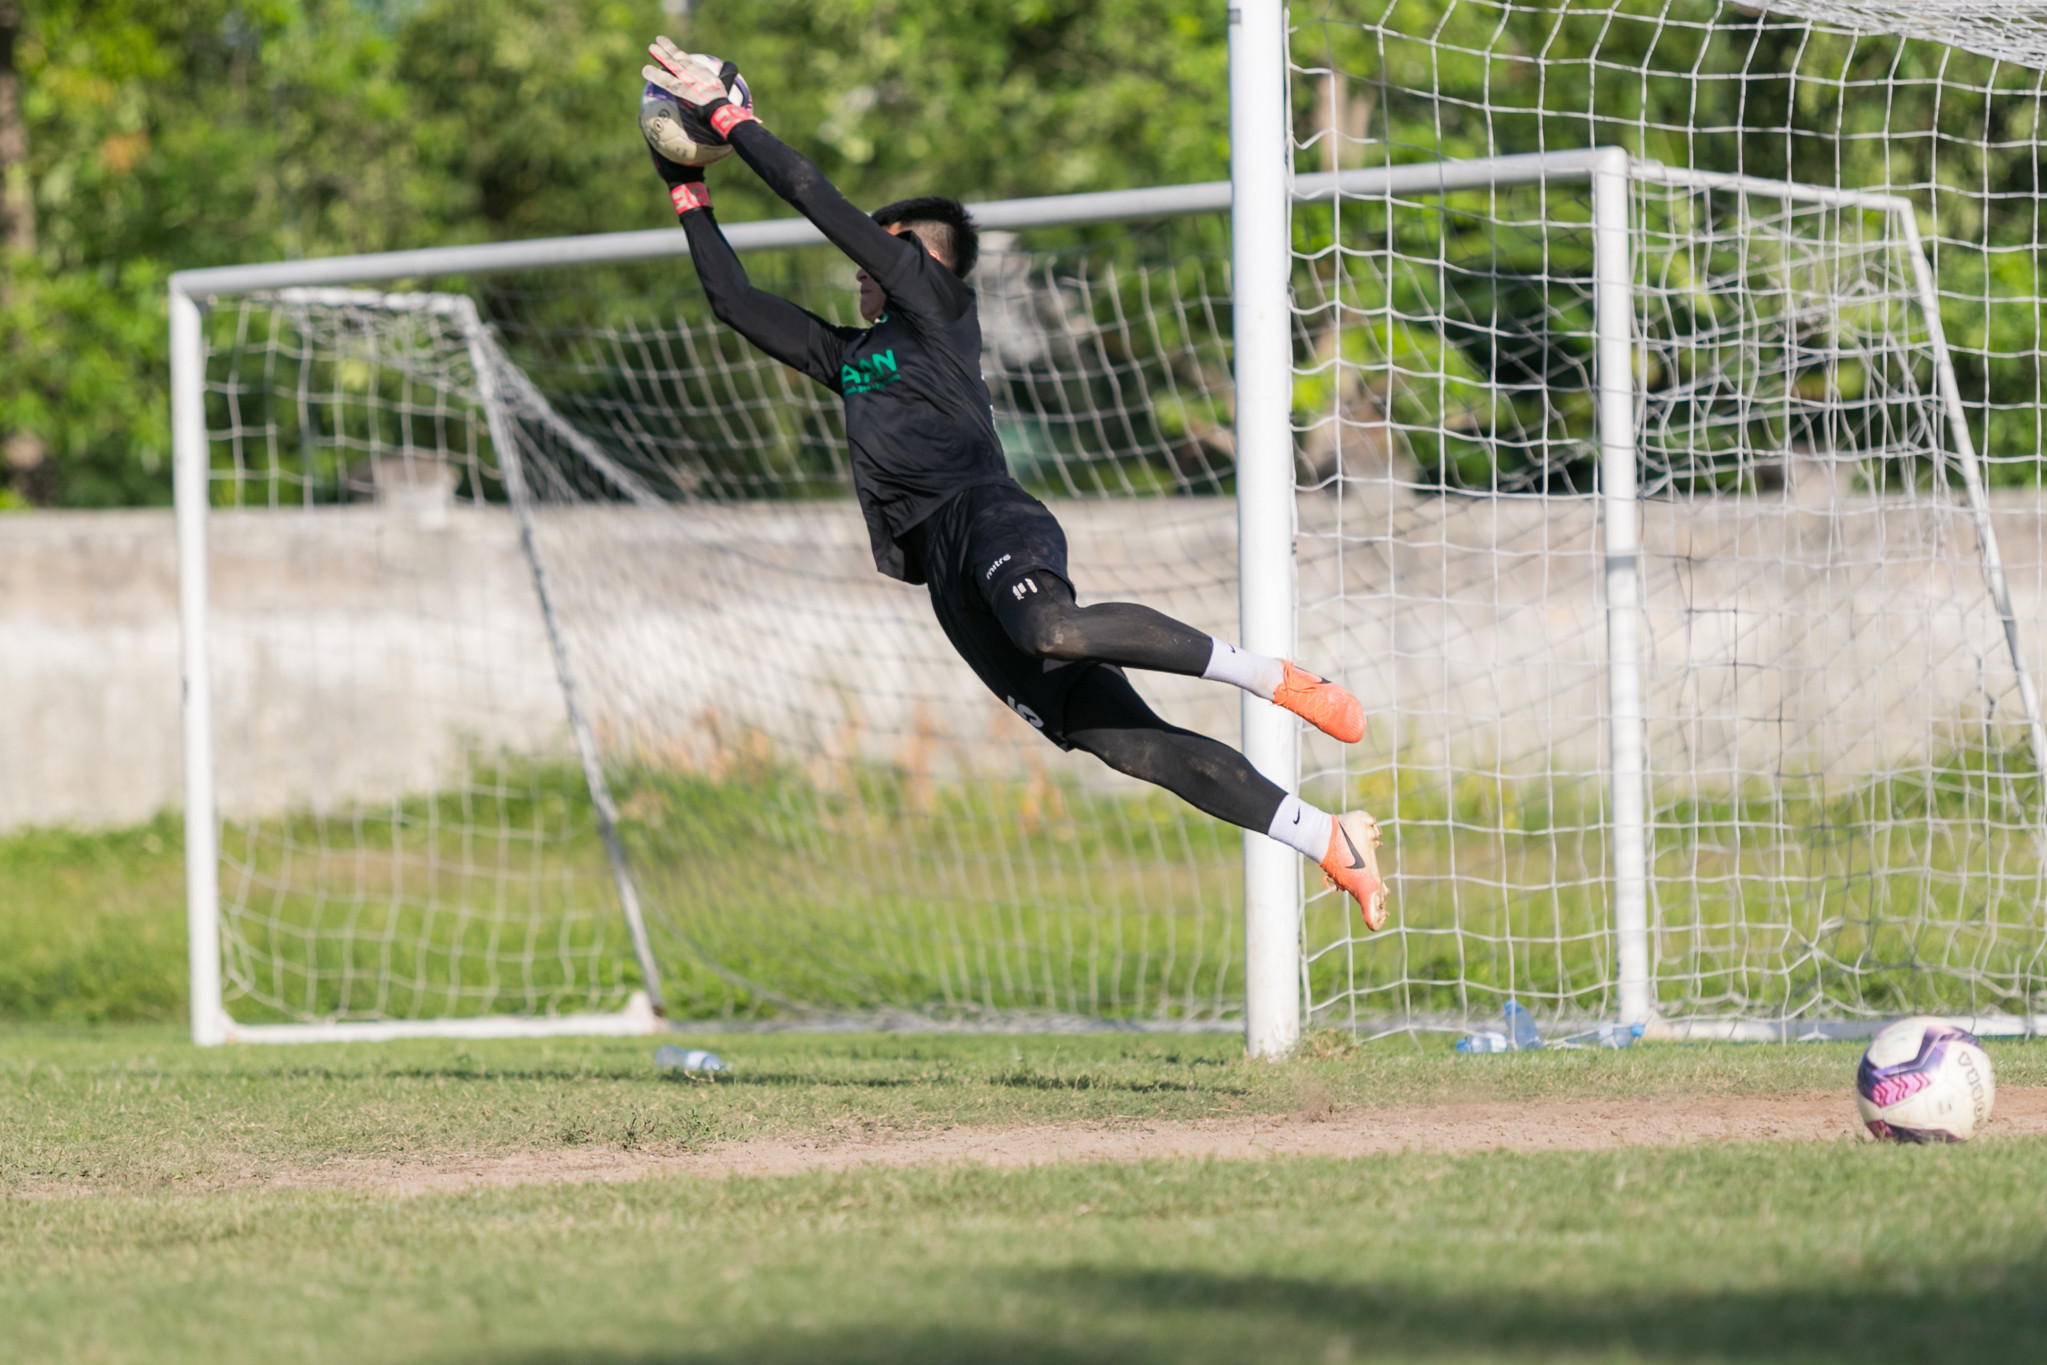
1259,200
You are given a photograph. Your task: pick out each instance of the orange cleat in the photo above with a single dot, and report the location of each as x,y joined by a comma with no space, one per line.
1321,703
1353,864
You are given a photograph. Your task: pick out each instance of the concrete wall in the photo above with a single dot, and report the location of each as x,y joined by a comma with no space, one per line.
367,651
88,667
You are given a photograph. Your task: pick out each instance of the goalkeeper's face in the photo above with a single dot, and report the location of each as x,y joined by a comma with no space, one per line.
872,301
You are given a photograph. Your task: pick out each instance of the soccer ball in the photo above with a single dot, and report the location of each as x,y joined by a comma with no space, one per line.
679,132
1924,1080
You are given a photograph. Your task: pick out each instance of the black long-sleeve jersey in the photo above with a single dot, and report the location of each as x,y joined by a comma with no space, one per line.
917,413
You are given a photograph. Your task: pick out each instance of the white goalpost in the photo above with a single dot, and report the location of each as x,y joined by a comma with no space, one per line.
1262,315
537,682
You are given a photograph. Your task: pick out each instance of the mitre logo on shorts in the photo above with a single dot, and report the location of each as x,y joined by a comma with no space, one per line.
990,573
875,372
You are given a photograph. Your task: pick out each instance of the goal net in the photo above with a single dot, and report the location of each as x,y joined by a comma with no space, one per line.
465,539
548,662
1840,756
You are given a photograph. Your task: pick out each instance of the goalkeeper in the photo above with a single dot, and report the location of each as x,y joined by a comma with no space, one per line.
941,508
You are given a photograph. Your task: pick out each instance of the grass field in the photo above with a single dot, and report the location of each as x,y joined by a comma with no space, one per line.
766,888
92,925
159,1206
159,1203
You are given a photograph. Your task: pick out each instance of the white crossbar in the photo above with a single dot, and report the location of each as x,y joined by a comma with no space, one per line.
635,1020
1006,215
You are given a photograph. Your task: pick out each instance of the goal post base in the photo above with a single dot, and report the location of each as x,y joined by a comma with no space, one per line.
636,1020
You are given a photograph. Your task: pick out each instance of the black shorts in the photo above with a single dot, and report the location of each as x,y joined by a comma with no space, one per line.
990,540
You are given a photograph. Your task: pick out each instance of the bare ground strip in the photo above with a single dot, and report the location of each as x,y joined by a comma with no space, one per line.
1531,1126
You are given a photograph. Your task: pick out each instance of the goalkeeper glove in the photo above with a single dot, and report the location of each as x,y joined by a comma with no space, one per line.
714,88
686,187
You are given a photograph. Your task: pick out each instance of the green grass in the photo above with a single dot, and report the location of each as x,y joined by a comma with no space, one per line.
140,1110
765,890
868,887
92,925
491,895
875,888
1771,1252
1917,891
1746,1253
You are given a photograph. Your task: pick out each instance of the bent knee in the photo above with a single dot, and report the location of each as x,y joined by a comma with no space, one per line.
1047,629
1125,751
1155,756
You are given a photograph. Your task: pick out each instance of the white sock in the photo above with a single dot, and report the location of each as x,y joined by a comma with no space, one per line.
1255,673
1302,828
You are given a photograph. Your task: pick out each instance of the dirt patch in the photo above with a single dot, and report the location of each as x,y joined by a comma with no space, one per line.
1320,1130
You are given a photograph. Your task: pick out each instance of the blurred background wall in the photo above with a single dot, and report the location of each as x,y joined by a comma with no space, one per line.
358,649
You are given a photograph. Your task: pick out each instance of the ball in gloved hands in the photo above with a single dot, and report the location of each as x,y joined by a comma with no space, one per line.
679,131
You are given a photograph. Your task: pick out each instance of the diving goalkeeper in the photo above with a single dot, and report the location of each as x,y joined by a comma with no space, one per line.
942,510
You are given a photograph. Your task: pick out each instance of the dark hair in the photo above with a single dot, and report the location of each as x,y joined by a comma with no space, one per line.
942,225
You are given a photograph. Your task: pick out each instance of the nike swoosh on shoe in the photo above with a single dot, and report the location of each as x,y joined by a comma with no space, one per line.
1357,860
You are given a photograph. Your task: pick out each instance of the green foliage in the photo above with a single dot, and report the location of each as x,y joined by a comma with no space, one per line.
986,98
85,372
1720,87
164,136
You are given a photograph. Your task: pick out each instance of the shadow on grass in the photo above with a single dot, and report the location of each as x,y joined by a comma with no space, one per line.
810,1081
1015,1080
1095,1314
459,1071
1038,1080
1999,1315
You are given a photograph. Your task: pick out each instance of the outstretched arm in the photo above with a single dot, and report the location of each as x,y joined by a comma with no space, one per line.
795,336
906,272
913,281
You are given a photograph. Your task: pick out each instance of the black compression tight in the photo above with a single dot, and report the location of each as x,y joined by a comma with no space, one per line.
1046,623
1105,717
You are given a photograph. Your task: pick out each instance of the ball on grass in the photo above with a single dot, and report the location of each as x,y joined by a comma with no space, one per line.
1924,1080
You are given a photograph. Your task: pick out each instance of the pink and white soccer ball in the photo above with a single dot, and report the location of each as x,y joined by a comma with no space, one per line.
678,131
1924,1080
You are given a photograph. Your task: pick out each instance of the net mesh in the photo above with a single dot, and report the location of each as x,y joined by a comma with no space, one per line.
821,807
824,806
394,845
823,810
2007,30
1843,806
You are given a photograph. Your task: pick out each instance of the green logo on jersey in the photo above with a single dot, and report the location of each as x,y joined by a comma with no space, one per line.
864,376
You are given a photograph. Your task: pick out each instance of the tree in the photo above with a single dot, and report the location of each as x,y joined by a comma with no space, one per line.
142,136
159,134
21,449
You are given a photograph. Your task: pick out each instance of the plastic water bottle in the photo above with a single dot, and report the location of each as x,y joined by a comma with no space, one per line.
1488,1040
1617,1035
669,1057
1521,1028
